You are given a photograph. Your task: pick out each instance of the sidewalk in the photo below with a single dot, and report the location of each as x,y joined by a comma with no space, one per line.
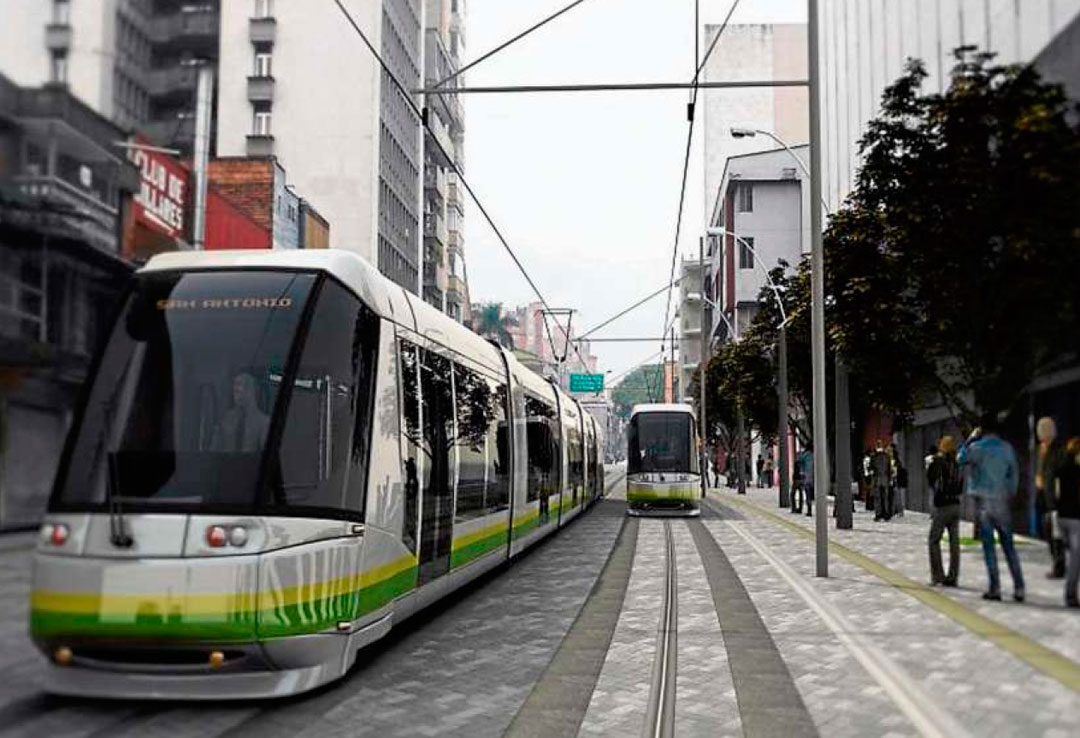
901,545
876,652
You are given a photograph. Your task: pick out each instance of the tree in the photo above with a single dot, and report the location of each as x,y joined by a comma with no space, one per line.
644,384
491,322
952,267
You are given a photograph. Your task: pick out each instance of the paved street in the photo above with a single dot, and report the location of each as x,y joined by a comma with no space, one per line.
763,646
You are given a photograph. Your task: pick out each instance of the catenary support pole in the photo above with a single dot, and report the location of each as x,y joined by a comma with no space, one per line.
817,323
842,434
702,364
204,93
785,465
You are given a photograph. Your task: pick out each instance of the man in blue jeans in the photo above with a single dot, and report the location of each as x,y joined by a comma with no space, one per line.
990,465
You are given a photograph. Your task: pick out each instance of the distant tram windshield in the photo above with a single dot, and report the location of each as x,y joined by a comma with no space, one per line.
179,410
661,442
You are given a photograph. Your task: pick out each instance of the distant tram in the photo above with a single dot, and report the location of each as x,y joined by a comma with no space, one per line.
280,456
663,476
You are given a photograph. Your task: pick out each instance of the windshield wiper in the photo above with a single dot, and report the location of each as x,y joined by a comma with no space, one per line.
117,525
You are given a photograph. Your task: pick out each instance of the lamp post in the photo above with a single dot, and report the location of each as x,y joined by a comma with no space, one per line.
842,402
781,351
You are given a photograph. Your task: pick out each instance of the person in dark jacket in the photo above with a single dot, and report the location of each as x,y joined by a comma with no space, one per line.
944,478
1049,457
1068,510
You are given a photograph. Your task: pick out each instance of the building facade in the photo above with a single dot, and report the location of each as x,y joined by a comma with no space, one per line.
347,136
864,47
445,283
132,61
753,52
66,195
691,322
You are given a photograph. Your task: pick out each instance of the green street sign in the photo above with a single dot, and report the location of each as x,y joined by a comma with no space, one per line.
586,382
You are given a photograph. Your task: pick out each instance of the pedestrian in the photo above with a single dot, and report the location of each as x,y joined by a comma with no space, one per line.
806,464
770,469
798,485
990,466
760,471
898,501
943,476
1068,511
1049,458
866,481
881,482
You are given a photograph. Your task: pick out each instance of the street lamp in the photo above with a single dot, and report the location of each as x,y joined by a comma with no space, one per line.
782,369
843,510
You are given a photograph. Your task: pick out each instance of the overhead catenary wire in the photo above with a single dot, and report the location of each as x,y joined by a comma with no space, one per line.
630,309
692,115
515,39
446,155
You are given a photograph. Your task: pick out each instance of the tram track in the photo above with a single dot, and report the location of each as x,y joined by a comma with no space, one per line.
660,714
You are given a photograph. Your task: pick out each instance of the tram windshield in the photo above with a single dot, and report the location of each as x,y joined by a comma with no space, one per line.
661,442
179,410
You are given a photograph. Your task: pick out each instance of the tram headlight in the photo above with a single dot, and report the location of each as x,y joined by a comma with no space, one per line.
238,536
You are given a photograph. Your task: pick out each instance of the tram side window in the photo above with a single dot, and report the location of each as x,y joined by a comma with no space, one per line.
575,462
472,397
437,415
498,481
323,454
410,431
540,444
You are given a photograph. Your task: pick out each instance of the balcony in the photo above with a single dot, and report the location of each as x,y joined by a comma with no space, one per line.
70,210
455,239
435,231
260,145
170,80
262,31
435,180
455,289
184,27
454,198
438,132
58,37
260,89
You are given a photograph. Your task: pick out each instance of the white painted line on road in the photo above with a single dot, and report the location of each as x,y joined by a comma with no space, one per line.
920,708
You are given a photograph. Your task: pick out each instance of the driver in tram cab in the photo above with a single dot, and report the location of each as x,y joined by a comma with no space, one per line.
244,426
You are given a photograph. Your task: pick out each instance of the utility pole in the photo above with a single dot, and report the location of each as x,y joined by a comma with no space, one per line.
701,370
204,95
817,323
782,385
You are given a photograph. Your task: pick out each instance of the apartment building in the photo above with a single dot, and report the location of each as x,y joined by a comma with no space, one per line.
347,136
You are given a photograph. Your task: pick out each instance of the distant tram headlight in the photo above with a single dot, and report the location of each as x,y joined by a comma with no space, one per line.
238,536
216,536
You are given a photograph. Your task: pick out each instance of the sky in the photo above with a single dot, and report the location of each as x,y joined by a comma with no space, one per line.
585,186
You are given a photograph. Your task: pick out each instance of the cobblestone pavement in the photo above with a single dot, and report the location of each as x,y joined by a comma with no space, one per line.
621,696
983,688
462,670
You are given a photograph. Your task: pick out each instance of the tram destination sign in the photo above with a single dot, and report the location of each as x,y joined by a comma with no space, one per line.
586,382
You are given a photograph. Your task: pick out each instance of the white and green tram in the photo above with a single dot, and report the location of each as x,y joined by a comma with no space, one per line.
279,456
662,463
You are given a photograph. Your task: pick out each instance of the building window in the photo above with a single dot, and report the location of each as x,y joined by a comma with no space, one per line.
262,64
61,12
746,198
264,8
746,253
58,68
262,123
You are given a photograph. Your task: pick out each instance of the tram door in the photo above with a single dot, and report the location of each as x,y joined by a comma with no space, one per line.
437,442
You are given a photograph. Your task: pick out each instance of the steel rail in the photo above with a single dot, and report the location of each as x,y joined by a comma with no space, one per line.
660,716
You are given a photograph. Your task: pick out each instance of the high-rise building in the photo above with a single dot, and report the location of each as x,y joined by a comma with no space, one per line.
445,284
753,52
691,323
864,47
133,61
298,83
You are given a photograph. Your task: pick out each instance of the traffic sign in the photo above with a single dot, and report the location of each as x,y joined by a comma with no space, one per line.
586,382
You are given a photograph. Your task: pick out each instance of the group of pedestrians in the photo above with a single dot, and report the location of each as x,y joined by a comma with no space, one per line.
985,468
765,469
886,482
